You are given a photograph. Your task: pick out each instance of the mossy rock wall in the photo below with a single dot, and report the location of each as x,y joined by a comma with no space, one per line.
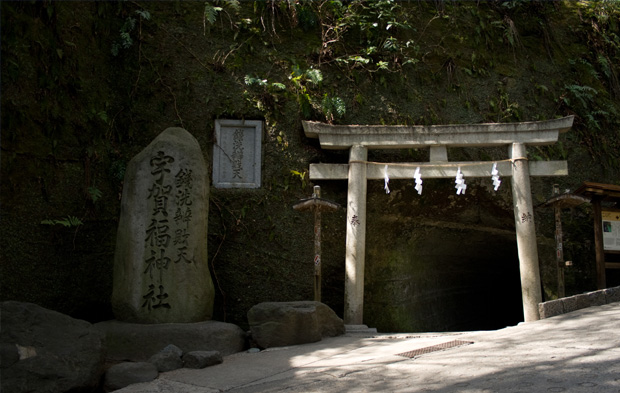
87,85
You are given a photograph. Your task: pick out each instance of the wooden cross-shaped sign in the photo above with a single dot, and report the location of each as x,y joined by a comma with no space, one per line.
318,205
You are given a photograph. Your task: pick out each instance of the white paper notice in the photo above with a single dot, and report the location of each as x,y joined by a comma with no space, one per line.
611,230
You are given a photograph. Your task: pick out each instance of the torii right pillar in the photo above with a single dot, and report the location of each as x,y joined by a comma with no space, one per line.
526,232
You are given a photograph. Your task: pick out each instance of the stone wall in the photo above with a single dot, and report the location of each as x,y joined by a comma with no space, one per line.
573,303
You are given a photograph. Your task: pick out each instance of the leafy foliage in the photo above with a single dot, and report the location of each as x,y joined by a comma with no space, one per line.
94,193
212,11
379,27
126,41
210,14
69,221
302,176
333,107
583,95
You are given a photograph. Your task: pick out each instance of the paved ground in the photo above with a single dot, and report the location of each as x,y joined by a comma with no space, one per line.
574,352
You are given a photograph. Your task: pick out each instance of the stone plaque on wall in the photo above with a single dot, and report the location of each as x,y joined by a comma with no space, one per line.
237,153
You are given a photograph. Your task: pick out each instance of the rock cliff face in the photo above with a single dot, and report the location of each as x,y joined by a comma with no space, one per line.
103,79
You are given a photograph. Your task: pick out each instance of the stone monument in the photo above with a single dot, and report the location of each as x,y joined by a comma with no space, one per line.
161,273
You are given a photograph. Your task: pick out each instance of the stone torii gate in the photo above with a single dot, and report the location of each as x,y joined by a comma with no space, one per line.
359,138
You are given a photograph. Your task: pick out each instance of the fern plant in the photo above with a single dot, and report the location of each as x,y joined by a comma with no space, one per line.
94,193
69,221
333,107
301,80
126,41
582,94
212,11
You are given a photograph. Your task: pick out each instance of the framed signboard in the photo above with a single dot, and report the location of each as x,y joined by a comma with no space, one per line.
237,153
611,230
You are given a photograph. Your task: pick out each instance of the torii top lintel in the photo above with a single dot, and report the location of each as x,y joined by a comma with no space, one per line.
454,135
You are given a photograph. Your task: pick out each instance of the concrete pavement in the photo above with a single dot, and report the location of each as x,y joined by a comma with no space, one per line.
574,352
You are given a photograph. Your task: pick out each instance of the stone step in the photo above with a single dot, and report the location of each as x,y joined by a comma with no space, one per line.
360,329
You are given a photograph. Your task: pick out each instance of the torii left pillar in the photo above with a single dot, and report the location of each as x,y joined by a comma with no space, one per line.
356,237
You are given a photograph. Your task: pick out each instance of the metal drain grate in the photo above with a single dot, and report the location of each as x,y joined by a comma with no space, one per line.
434,348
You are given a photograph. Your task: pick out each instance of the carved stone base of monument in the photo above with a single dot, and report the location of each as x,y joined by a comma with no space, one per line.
161,272
138,342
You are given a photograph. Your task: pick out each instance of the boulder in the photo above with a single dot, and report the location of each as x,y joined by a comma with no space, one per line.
138,342
277,324
161,271
202,359
46,351
127,373
174,349
9,355
167,359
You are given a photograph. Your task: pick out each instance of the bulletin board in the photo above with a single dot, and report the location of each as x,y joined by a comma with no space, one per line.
611,230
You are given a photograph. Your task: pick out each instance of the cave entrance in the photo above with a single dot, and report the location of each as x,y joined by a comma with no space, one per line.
358,139
439,275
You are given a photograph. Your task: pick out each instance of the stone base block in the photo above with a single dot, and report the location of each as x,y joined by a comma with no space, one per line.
551,308
577,302
363,329
138,342
612,295
584,300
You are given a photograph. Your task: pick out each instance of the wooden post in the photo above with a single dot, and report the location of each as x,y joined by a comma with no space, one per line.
559,246
317,205
601,281
317,247
526,233
356,237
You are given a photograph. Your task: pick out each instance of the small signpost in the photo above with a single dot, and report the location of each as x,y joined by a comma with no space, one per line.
605,199
559,202
318,205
